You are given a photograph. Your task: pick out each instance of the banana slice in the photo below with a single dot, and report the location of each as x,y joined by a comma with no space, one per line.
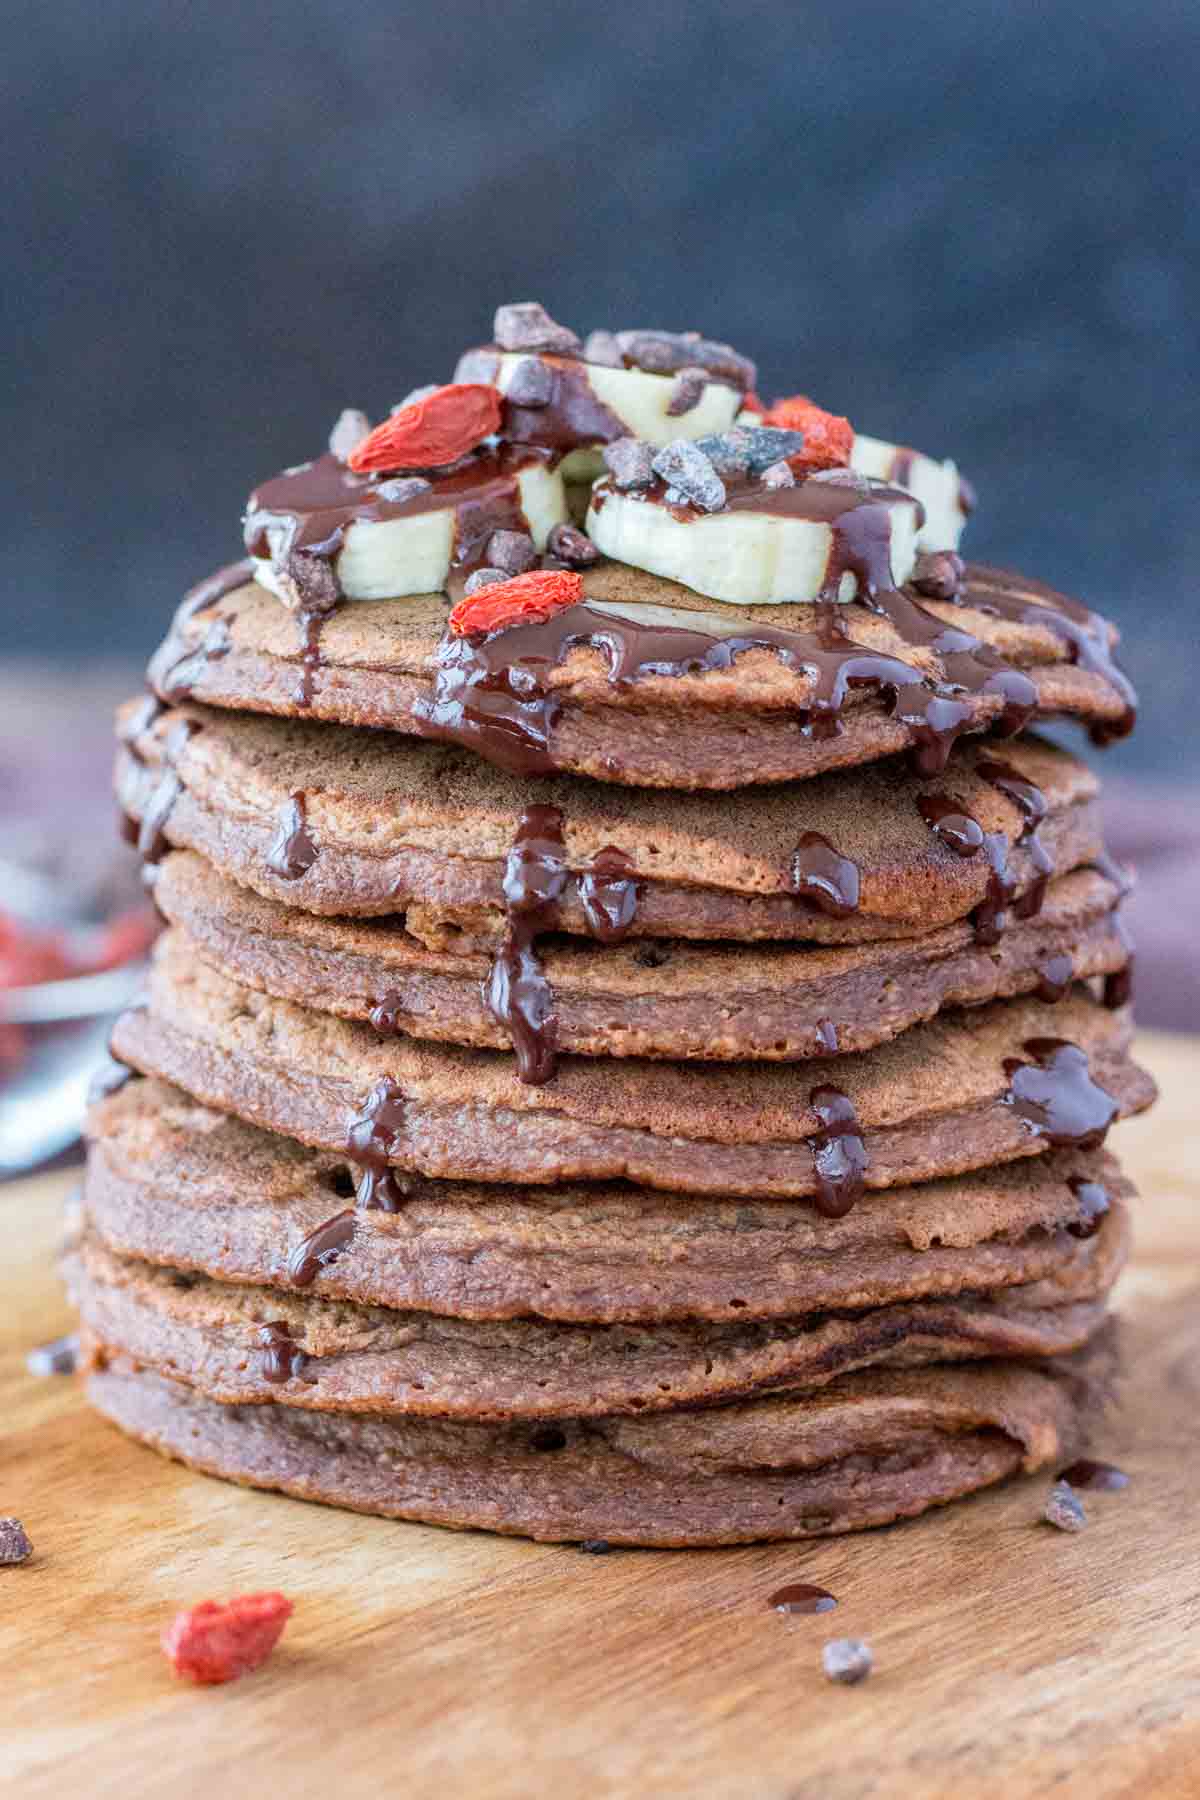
386,538
936,485
766,546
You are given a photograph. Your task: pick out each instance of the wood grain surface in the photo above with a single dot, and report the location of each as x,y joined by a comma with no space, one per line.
1011,1659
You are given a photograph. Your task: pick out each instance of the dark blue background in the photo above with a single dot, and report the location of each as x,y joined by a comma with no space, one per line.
968,226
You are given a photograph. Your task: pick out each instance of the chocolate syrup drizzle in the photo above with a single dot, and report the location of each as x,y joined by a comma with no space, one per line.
824,877
152,841
281,1358
608,893
962,834
374,1138
516,991
1054,977
293,853
1094,1203
802,1597
839,1154
1055,1096
321,1247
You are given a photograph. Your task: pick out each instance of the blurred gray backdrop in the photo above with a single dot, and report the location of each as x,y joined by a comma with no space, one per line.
971,226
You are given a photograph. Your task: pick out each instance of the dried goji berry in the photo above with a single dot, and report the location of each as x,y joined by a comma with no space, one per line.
828,438
431,432
752,403
218,1641
532,596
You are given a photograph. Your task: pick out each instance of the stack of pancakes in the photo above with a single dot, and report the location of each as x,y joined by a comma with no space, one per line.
628,1112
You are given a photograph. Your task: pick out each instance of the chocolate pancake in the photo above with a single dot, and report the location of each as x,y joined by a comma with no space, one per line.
171,1182
657,998
966,1090
669,697
242,1345
357,823
866,1449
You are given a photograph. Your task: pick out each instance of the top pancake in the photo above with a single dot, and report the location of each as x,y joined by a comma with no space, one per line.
373,663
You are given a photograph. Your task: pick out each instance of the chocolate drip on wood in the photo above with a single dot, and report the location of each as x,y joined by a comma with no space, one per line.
281,1359
516,991
824,877
608,894
1100,1477
802,1597
152,839
320,1248
1055,1095
293,853
839,1154
1054,976
1094,1203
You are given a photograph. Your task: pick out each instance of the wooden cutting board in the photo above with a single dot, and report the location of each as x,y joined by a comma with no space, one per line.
1011,1659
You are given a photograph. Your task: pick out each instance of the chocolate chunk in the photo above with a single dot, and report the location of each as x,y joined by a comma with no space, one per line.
402,487
727,451
1063,1509
532,383
687,392
511,551
480,364
630,462
664,352
483,578
688,470
767,444
349,431
15,1547
419,393
779,475
574,549
526,325
847,1660
310,582
939,575
602,347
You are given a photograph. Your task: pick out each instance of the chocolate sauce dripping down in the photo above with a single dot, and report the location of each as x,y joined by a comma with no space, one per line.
839,1154
609,893
293,853
827,1038
572,416
1054,977
376,1135
215,587
1056,1097
282,1359
1113,871
1118,987
108,1079
823,876
958,831
311,625
321,1248
1094,1203
1100,1477
517,992
127,828
1030,802
147,711
802,1597
152,839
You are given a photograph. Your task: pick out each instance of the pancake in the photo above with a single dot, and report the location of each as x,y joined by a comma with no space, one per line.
647,998
246,1345
171,1182
373,663
862,1451
359,824
936,1101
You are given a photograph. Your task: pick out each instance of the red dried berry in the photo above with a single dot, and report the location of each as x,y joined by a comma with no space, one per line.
503,603
431,432
828,438
220,1641
752,403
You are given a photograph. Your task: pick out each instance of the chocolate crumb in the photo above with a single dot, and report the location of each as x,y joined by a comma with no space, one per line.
59,1357
309,583
532,383
572,547
349,430
939,575
687,469
483,578
688,391
602,347
512,551
847,1660
15,1546
779,475
403,487
630,462
768,444
1063,1509
526,325
415,394
665,352
596,1547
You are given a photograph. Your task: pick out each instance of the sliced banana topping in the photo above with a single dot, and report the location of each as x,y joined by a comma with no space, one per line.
377,538
937,485
832,536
